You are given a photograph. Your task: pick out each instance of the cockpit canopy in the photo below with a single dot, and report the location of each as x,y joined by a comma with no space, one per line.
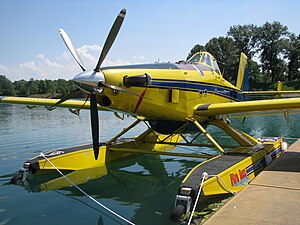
205,58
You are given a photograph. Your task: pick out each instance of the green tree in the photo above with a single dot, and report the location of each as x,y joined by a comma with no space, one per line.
195,49
227,54
6,86
292,54
244,37
272,39
255,76
33,86
42,87
277,49
53,88
21,87
50,87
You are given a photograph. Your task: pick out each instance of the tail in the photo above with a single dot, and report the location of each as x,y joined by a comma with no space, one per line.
242,81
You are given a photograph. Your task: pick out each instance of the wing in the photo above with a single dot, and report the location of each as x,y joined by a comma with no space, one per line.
74,104
246,106
271,93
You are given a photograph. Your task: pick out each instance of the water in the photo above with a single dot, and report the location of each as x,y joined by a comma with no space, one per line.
142,189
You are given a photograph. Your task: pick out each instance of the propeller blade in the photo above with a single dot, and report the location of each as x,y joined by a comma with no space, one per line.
111,38
67,97
95,125
71,48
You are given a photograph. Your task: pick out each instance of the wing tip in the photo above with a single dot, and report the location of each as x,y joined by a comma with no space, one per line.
2,97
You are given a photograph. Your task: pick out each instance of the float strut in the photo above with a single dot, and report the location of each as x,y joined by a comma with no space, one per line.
207,135
123,132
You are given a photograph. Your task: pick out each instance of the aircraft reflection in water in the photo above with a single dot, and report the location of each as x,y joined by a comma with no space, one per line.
150,189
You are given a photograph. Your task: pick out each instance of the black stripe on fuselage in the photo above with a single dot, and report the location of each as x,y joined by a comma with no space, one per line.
198,87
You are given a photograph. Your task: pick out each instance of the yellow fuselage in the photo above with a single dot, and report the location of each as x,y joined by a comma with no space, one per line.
173,92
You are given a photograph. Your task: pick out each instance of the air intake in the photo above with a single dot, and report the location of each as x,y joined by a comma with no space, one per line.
137,81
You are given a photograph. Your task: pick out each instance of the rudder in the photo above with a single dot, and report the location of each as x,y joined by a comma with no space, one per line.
242,81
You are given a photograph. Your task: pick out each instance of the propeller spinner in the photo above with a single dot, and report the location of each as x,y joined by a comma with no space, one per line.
88,81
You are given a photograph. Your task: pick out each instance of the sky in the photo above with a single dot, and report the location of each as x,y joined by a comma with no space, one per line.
156,30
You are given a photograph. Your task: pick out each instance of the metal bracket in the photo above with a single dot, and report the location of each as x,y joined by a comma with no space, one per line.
185,201
24,171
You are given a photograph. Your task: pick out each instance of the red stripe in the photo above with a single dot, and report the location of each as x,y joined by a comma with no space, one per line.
140,101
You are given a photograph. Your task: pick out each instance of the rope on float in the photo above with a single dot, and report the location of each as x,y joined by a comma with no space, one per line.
228,189
83,192
204,177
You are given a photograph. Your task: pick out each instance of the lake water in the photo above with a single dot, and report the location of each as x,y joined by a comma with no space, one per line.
141,189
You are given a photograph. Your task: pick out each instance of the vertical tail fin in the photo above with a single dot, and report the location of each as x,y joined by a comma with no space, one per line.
242,81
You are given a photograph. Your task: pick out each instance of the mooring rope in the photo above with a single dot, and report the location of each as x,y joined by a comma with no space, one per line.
83,192
204,177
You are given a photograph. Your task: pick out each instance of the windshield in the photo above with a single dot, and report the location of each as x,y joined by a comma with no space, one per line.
205,58
216,66
195,58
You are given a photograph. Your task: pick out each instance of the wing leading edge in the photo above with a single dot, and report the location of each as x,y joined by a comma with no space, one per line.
246,106
253,93
73,104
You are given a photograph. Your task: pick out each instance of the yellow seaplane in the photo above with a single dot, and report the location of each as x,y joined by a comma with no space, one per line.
173,100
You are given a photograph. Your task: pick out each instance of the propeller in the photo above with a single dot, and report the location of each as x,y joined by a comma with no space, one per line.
71,48
111,38
67,97
93,82
94,124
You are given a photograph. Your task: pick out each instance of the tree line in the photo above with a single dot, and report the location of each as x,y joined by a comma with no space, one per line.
273,53
46,88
